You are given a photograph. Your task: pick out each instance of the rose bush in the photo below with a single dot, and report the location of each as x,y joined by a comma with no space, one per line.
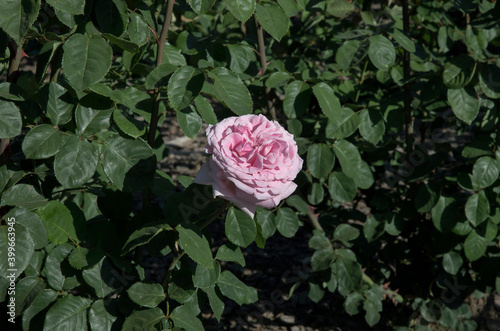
254,162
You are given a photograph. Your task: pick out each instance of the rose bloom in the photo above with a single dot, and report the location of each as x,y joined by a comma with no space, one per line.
254,162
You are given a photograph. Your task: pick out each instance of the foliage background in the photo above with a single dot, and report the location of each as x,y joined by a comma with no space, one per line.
394,106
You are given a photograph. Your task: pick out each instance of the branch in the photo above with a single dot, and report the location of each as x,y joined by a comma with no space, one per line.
263,64
16,54
407,90
159,60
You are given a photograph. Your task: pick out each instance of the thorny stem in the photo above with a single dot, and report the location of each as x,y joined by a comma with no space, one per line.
156,103
361,80
15,61
263,64
159,61
407,90
392,294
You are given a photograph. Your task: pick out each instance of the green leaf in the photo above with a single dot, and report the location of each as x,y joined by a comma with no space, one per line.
138,30
287,222
189,121
82,257
348,271
146,294
427,197
232,91
352,303
345,53
129,125
241,57
75,163
485,172
277,79
99,317
32,222
489,80
404,40
143,235
235,289
477,208
317,194
322,259
341,187
58,103
111,16
289,7
24,249
374,227
232,253
43,141
329,103
452,262
86,60
458,71
215,300
122,43
90,121
196,246
10,120
119,155
240,228
184,85
273,19
316,292
22,195
464,103
320,160
68,313
381,52
205,109
184,317
73,7
58,222
52,268
18,16
445,214
340,8
201,6
352,164
241,9
347,123
11,92
145,320
371,126
204,278
297,99
475,246
102,278
41,301
158,76
345,232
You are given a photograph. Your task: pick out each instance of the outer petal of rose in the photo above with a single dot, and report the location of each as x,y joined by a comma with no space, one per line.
204,176
227,191
287,191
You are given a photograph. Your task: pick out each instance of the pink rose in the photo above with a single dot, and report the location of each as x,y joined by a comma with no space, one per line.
254,162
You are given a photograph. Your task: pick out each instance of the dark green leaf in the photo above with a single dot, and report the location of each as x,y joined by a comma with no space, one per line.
184,85
477,208
201,6
58,222
475,246
204,277
320,160
196,246
146,294
345,232
232,91
22,195
41,301
24,249
232,253
485,172
340,8
10,120
189,121
102,278
43,141
58,103
73,7
240,228
297,99
75,163
205,109
267,222
372,125
329,103
404,40
427,197
464,103
287,222
490,81
381,52
342,188
452,262
216,301
185,318
158,76
52,268
273,19
138,30
445,214
458,71
345,125
90,121
235,289
99,317
345,53
348,271
241,9
32,222
128,124
86,60
26,290
18,16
